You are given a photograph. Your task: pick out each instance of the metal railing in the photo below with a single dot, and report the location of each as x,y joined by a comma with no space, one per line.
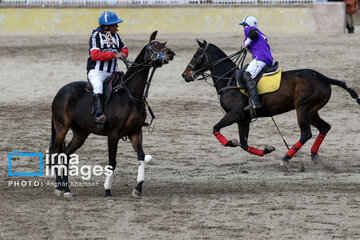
153,2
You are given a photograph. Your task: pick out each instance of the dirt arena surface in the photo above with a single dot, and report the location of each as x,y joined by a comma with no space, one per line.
194,188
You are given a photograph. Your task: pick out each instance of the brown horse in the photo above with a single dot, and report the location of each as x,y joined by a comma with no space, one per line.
304,90
125,112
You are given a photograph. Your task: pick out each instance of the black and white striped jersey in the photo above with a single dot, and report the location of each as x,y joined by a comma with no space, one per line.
99,41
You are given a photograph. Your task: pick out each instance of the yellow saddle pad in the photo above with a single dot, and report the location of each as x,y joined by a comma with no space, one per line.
267,84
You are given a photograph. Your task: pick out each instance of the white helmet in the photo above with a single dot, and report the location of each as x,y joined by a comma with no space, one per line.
249,21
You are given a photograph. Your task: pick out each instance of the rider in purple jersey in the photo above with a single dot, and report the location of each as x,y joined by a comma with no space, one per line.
257,44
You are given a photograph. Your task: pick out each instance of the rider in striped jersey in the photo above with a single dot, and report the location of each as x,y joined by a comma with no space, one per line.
105,47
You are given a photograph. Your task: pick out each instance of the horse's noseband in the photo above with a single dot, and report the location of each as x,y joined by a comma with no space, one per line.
156,55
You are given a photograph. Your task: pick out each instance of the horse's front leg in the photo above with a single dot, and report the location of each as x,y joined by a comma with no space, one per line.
112,149
227,120
244,133
136,141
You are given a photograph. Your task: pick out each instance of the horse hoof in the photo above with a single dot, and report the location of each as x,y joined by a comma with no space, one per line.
235,143
136,193
58,192
284,165
268,149
108,193
314,156
68,195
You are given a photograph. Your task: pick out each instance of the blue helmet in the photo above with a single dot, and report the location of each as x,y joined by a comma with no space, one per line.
109,18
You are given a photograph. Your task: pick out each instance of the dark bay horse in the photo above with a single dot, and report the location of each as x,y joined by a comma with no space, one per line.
304,90
125,112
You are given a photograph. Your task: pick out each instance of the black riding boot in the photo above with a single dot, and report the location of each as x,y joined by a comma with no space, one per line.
351,29
99,115
251,87
348,28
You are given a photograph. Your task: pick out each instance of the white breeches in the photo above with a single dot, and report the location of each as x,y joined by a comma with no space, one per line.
97,78
255,67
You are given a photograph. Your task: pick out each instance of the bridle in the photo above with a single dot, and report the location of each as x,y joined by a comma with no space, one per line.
239,57
193,73
155,55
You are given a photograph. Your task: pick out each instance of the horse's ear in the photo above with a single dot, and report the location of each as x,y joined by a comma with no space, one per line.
164,43
205,43
153,36
200,43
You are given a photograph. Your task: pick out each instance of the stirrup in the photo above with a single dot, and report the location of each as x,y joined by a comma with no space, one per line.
252,106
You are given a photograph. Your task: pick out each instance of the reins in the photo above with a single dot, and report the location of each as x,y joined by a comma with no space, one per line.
155,55
238,57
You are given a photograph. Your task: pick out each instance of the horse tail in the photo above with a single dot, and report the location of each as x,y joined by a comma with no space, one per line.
53,136
342,84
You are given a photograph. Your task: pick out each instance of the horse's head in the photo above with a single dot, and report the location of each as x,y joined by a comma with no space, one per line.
157,52
198,64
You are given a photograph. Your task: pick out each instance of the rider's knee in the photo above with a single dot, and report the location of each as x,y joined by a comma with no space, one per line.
247,76
238,74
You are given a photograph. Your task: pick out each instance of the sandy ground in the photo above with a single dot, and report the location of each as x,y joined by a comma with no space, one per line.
194,188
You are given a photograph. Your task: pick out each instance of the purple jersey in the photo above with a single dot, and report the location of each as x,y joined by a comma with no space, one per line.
259,47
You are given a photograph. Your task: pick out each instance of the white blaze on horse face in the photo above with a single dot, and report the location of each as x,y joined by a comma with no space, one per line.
141,172
108,181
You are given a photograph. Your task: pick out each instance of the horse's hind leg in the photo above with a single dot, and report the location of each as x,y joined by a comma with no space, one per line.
136,141
76,142
303,117
323,128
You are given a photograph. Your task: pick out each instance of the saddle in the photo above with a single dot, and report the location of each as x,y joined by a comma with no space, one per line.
109,84
268,80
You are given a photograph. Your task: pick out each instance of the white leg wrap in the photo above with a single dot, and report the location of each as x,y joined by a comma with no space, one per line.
108,181
141,172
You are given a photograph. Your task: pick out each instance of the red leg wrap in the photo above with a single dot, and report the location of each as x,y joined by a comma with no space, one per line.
318,141
294,149
221,138
255,151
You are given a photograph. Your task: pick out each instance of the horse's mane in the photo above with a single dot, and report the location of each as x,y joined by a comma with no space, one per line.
221,54
138,60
